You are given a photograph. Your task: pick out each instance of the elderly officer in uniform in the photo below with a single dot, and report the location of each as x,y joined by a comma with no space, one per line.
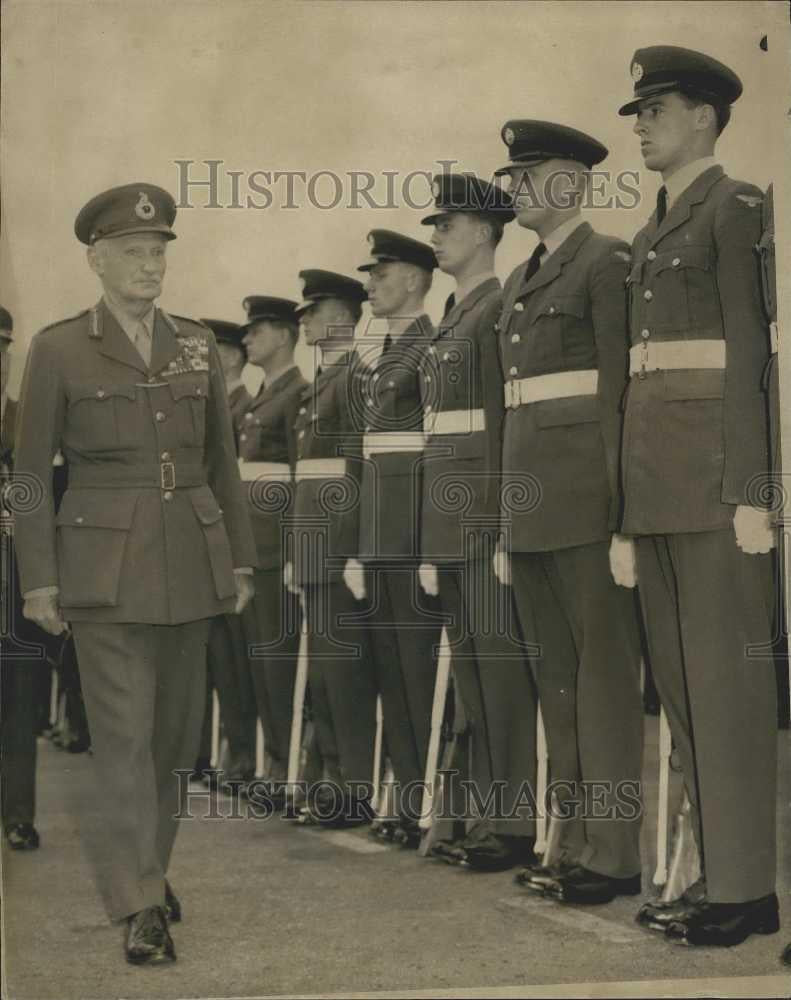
151,540
327,440
694,459
405,622
272,621
563,347
489,667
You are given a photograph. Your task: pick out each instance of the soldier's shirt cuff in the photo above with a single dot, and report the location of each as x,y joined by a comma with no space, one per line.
246,570
42,592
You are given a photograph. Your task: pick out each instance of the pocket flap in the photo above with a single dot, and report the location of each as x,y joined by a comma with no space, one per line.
682,257
697,384
206,508
572,410
100,391
97,509
189,388
563,305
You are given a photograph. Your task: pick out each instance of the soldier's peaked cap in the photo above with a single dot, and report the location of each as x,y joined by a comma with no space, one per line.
263,307
121,211
467,193
388,246
530,141
225,332
318,285
661,69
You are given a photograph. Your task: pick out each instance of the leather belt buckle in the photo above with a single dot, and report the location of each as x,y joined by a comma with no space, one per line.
168,475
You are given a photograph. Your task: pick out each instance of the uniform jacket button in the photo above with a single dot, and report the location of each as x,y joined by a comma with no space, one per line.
249,416
242,437
513,370
100,393
676,261
167,495
519,306
648,295
515,338
79,520
301,435
445,356
645,334
651,255
551,309
302,410
151,378
159,416
165,456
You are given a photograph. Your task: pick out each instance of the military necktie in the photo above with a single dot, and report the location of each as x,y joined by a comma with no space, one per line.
661,205
143,342
388,343
450,302
535,261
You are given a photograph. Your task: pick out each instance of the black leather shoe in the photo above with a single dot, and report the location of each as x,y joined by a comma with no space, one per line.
498,853
726,924
450,851
786,956
332,814
383,829
147,939
172,905
536,876
582,886
657,915
22,837
407,834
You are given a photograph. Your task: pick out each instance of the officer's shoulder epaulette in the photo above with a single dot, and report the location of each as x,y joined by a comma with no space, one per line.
184,325
64,322
742,194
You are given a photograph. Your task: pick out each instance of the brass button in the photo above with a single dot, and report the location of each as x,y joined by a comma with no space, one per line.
167,495
676,261
432,350
198,391
645,334
152,378
314,416
301,435
513,370
159,416
519,306
100,394
551,310
391,383
302,410
242,437
79,520
515,339
651,255
248,416
165,456
648,295
445,356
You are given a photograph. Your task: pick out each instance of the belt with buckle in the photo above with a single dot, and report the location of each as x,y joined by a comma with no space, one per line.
454,421
160,475
676,355
558,385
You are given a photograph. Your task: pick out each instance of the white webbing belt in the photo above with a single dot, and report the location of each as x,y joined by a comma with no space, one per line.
382,442
558,385
675,355
320,468
272,471
455,422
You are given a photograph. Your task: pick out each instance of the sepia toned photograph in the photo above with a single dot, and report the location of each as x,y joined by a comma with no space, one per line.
393,516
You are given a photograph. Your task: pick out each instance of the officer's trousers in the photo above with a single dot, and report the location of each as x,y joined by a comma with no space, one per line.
342,681
588,679
144,688
404,628
272,627
708,631
496,687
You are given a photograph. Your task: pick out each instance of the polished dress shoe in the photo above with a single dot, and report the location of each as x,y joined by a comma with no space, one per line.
22,837
536,876
658,914
726,924
172,905
498,853
147,939
407,834
327,811
383,829
785,958
585,887
450,851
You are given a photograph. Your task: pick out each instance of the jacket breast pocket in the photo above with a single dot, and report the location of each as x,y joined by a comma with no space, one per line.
102,415
559,330
566,412
685,288
92,530
189,405
218,547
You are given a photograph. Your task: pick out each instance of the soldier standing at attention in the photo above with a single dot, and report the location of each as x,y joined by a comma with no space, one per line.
405,622
564,349
489,667
272,622
694,458
328,441
152,538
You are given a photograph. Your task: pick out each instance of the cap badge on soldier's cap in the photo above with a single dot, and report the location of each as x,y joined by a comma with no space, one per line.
637,71
509,136
144,209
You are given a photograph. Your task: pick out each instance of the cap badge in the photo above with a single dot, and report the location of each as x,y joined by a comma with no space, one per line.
144,209
637,72
509,136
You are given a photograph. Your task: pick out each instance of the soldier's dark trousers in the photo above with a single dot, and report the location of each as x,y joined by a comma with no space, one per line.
404,629
144,688
342,680
704,607
272,628
230,673
494,681
588,679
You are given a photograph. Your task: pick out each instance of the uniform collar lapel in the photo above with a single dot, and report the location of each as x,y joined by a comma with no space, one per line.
165,344
470,300
681,208
273,388
557,260
111,340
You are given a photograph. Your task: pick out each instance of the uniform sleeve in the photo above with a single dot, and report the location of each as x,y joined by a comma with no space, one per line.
737,229
223,470
610,330
42,408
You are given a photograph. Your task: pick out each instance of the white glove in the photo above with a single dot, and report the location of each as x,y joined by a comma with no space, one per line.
501,564
288,578
429,581
753,530
622,561
354,577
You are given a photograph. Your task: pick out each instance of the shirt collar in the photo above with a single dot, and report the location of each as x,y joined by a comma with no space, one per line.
271,377
400,324
678,182
232,385
464,288
560,235
128,324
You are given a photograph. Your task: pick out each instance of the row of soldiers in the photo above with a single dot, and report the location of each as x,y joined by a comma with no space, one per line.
508,476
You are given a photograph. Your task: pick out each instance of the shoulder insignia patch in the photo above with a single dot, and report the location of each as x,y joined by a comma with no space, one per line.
62,322
753,200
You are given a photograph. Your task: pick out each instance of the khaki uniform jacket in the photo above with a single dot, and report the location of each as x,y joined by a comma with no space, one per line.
391,489
461,376
327,441
264,434
560,456
695,441
154,520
